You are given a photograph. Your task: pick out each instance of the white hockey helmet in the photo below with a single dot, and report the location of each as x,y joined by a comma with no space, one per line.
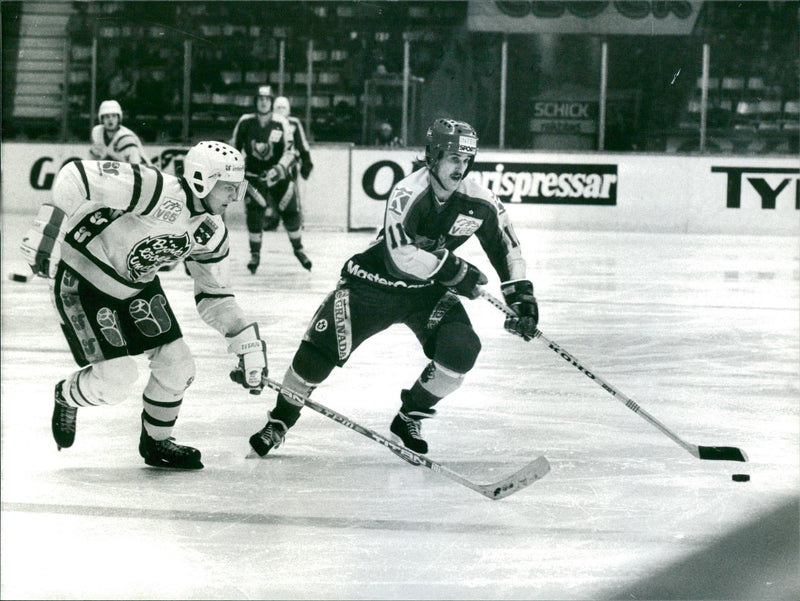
208,162
282,106
109,107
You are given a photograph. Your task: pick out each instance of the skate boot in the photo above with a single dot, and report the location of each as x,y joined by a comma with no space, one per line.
269,437
64,418
255,259
406,427
303,258
165,453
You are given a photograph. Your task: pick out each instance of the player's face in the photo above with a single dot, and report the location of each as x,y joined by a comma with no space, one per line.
263,104
110,122
451,169
224,193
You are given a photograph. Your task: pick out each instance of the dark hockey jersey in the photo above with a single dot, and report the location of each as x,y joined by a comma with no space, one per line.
264,146
418,232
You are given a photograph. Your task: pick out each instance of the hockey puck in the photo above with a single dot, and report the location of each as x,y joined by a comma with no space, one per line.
18,277
740,477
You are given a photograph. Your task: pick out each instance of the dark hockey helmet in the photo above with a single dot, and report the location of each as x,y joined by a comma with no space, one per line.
448,135
264,91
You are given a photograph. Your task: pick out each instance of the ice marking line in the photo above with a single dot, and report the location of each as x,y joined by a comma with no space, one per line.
257,519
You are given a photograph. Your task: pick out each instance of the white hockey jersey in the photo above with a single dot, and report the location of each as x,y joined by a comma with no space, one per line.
136,219
123,146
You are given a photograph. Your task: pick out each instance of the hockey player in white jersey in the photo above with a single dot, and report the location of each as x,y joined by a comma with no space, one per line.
112,140
102,239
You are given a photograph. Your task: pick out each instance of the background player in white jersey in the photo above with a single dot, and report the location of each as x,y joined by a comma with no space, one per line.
410,275
108,230
267,141
112,140
284,107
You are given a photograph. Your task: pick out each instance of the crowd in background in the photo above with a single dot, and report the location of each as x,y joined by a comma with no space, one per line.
236,46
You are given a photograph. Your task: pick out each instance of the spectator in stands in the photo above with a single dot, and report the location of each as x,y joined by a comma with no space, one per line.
384,136
124,86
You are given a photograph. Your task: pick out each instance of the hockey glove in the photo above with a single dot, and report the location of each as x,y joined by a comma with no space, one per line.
518,295
41,244
306,166
251,372
460,276
275,175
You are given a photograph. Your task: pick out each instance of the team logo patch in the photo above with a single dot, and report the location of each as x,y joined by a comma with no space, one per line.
205,232
399,200
149,254
465,226
168,210
321,325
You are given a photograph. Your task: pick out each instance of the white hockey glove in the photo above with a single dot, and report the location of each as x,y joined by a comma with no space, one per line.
97,151
41,244
251,372
518,295
276,174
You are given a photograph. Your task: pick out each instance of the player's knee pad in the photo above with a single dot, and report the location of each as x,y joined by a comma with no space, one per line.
172,370
292,222
311,365
457,347
104,383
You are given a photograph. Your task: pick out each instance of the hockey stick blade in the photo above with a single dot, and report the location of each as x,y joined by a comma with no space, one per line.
701,452
721,453
536,470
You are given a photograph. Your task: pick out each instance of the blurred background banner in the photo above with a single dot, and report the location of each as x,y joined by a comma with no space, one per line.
629,18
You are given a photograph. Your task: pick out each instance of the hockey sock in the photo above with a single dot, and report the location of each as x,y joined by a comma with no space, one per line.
158,417
435,383
255,244
286,412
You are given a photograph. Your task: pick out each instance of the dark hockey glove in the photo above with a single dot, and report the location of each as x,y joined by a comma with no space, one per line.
251,372
518,295
460,276
306,165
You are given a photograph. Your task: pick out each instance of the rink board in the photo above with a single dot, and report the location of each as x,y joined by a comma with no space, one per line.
592,191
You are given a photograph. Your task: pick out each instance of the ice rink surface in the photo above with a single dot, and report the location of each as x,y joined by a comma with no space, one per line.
701,331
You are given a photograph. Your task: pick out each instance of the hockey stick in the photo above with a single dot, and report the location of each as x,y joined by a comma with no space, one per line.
529,474
701,452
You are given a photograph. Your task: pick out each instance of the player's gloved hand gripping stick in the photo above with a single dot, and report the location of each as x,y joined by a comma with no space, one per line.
701,452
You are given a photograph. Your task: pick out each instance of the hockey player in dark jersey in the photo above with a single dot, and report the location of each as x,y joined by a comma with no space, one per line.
267,141
411,275
102,239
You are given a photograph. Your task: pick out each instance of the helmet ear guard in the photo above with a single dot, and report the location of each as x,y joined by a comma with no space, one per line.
208,162
449,135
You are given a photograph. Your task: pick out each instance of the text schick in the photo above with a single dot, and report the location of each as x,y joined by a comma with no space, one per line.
545,183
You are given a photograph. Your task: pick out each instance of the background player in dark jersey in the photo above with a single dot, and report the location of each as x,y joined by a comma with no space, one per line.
410,275
267,141
102,239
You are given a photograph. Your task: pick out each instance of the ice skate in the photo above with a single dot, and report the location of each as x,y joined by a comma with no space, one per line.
64,419
255,259
165,453
303,258
269,437
406,427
